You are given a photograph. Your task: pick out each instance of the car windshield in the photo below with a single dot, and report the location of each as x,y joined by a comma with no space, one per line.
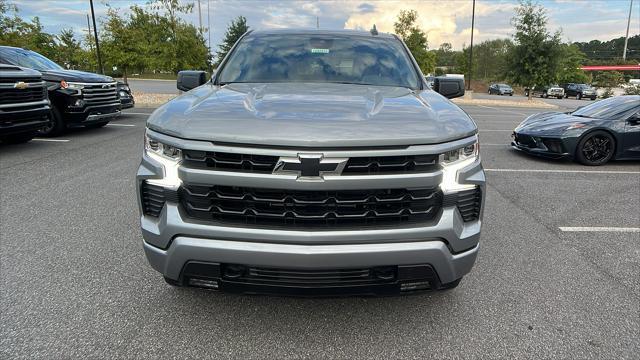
504,86
28,59
609,109
365,60
584,86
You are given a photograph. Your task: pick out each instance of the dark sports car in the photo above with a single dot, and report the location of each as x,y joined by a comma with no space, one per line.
592,135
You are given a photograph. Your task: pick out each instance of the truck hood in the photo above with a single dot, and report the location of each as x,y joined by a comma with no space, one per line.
312,115
74,76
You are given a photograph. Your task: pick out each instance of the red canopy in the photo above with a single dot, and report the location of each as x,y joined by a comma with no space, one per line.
610,67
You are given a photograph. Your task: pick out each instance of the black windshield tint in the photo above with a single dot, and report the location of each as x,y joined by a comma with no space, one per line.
610,109
320,58
28,59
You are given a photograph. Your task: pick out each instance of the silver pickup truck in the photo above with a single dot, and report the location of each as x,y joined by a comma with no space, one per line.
312,163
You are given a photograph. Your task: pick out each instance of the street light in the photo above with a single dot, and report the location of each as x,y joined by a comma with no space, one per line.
95,34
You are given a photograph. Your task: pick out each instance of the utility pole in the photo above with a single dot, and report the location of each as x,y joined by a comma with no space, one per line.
200,17
626,38
317,22
209,23
95,34
473,18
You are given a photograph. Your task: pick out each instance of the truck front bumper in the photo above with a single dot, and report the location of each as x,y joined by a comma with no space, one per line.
432,254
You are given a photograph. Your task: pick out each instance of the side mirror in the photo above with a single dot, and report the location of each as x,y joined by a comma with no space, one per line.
449,87
190,79
634,119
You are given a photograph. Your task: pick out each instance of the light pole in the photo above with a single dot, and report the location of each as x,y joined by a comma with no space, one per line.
626,38
95,34
473,18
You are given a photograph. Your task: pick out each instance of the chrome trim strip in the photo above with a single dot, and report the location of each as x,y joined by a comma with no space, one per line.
32,103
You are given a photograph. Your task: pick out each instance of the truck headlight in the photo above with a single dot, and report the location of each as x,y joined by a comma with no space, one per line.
452,162
167,155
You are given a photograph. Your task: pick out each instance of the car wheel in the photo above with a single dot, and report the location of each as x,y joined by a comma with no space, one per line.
526,93
55,126
579,96
593,98
560,97
595,148
97,125
545,95
18,138
510,94
452,285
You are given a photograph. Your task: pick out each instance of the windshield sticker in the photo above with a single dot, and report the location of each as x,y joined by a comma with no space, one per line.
319,51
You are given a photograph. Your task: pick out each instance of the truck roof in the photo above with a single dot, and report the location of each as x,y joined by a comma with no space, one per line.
304,31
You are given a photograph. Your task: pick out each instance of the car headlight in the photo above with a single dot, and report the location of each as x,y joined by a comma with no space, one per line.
123,93
452,162
167,155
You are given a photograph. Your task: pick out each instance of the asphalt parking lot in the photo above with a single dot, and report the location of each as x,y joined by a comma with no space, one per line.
75,283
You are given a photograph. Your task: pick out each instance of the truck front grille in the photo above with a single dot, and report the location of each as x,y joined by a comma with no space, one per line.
11,95
279,207
377,165
100,94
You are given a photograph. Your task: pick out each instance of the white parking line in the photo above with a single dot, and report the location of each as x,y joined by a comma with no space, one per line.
599,229
123,125
51,140
135,113
503,110
562,171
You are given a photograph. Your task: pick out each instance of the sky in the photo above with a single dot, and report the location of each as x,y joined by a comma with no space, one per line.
442,20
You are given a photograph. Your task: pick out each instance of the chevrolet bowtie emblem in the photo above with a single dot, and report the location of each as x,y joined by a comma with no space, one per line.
310,166
21,85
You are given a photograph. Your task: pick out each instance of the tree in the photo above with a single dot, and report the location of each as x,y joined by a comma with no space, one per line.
491,58
416,40
571,60
445,55
235,30
535,57
68,50
120,43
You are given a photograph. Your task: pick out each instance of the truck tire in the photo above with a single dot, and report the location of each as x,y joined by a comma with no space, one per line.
579,96
56,124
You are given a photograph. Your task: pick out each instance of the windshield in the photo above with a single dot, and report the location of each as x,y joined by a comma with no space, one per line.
609,109
584,86
27,59
502,86
362,60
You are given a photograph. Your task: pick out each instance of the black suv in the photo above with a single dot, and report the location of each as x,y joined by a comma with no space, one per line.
24,105
579,91
78,98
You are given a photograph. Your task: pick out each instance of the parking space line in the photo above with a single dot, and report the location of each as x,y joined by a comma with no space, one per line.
503,110
123,125
563,171
135,113
599,229
51,140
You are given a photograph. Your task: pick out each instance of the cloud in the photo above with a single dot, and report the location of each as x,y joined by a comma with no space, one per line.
442,21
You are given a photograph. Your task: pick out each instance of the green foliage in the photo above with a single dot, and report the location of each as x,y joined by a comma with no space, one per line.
608,79
416,40
569,70
445,55
535,58
490,59
235,30
611,51
632,90
607,93
14,31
